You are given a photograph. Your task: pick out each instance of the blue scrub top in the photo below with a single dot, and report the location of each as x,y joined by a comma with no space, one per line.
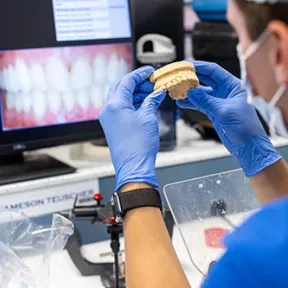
257,252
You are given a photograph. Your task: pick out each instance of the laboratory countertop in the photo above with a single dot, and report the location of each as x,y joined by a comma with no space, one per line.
54,194
190,148
65,274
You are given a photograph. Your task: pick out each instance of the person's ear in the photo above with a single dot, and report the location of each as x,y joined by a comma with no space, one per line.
280,57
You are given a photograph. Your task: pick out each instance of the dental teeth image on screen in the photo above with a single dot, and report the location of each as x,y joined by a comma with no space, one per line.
54,101
52,86
113,69
27,108
23,74
68,101
96,100
13,80
99,69
38,77
57,74
79,68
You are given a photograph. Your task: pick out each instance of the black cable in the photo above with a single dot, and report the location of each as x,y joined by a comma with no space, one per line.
117,273
219,209
115,231
197,267
228,221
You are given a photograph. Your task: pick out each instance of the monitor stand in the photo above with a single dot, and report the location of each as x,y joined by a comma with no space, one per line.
18,167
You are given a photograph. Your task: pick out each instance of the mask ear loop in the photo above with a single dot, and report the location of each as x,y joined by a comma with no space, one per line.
258,43
278,95
272,104
243,57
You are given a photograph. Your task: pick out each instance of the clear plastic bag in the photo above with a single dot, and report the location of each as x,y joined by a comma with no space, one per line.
26,248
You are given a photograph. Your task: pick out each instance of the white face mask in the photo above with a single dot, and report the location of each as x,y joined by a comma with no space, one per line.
269,111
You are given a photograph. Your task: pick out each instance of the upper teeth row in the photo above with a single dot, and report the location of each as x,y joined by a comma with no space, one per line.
177,80
55,75
40,101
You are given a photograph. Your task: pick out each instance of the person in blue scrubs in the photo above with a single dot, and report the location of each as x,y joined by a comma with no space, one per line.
258,250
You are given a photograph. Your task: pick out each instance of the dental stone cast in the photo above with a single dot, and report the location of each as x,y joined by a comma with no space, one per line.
177,78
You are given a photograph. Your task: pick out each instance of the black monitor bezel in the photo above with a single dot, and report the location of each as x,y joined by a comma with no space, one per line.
18,141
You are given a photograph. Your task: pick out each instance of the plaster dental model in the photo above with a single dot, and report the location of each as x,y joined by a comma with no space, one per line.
177,78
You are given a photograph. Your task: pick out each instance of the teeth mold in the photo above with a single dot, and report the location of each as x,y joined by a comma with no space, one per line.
177,78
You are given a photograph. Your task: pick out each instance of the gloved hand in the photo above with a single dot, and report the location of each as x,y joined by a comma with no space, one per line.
224,101
130,122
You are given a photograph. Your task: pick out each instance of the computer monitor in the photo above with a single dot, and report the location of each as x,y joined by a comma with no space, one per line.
58,59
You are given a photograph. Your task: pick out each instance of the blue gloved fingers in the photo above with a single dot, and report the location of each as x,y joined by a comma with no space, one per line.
141,92
203,101
153,101
145,87
201,89
186,104
112,91
128,84
203,76
138,98
114,86
213,71
206,80
133,135
137,106
238,91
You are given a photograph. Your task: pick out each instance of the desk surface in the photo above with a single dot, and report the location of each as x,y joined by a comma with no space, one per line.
65,274
190,148
56,194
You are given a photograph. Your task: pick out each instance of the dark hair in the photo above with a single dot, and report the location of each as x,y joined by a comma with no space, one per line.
258,16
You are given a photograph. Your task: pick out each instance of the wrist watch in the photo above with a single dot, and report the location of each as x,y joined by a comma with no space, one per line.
125,201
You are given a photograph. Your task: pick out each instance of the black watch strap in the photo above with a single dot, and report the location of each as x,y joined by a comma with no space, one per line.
129,200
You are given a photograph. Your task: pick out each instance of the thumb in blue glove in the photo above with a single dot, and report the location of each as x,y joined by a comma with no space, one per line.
227,114
132,133
224,101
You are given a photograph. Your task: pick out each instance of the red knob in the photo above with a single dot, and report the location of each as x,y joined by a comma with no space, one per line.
98,197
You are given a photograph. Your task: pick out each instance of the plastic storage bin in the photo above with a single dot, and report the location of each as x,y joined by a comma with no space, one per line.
210,10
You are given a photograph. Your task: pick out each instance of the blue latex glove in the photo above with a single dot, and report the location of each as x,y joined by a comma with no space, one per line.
142,90
130,122
224,101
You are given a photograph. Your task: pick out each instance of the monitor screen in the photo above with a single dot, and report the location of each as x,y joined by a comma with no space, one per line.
58,59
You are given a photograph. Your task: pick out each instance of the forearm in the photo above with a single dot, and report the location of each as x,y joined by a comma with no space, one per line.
272,183
151,260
